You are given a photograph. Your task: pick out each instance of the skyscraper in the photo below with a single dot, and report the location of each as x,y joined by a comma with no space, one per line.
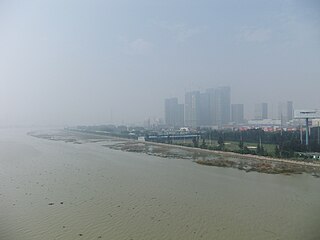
192,109
217,106
180,115
237,113
223,97
204,119
209,108
285,111
290,110
261,111
174,112
212,106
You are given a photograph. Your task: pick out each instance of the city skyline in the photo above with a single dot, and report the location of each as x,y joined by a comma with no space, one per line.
60,60
213,107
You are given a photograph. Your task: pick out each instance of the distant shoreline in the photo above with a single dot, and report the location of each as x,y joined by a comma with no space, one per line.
223,153
239,155
245,162
248,163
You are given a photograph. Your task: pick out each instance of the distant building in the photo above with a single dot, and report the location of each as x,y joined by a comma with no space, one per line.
204,111
219,105
192,109
180,115
261,111
223,105
315,122
237,113
264,122
174,113
170,106
285,111
210,108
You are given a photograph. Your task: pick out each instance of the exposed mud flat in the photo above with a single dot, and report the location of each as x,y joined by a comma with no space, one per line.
71,136
161,150
203,157
217,159
262,166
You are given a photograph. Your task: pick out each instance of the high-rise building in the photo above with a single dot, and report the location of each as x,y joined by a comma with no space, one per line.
223,97
212,106
285,111
261,111
192,109
290,110
180,115
215,106
237,113
174,113
204,118
170,107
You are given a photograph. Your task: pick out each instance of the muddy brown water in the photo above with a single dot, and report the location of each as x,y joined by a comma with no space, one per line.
61,190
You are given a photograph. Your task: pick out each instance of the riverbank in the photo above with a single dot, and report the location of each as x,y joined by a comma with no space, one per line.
248,163
246,156
244,162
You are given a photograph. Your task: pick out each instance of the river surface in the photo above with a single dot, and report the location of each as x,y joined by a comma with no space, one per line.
58,190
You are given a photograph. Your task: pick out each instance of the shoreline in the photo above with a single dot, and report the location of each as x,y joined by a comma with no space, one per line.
245,162
238,155
220,159
223,153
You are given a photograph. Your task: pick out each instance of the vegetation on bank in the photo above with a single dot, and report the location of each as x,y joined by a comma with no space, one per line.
198,155
217,159
281,144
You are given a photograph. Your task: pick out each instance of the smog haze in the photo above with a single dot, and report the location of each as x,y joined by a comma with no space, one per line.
97,62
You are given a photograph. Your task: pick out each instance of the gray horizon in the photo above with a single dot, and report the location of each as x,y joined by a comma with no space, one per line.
115,62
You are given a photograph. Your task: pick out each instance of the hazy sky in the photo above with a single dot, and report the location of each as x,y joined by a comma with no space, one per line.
75,62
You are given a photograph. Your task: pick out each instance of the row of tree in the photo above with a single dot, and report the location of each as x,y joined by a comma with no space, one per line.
287,143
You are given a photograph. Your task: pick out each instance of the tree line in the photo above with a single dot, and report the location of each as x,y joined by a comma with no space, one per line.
286,143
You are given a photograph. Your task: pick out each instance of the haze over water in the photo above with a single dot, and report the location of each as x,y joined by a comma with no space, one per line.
98,62
99,193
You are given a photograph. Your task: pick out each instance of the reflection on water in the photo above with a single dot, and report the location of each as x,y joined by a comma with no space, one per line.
61,190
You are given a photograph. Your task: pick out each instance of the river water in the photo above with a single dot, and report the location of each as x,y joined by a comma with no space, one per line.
58,190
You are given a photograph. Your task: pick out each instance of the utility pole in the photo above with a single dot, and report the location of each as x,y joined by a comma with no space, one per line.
318,133
301,140
260,144
281,124
307,132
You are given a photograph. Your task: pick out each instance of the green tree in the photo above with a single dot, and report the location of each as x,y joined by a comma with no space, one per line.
203,144
221,143
258,149
277,151
241,145
195,141
211,136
